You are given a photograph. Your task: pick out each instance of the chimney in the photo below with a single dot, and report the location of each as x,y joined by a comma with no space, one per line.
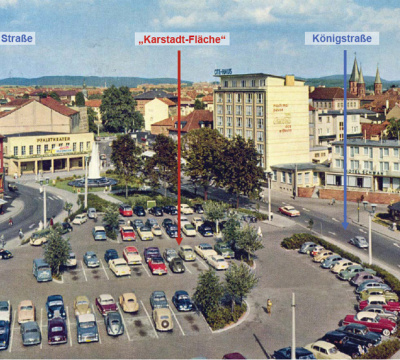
289,80
387,103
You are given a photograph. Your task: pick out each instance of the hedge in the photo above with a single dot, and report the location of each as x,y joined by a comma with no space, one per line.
258,215
385,350
94,201
224,316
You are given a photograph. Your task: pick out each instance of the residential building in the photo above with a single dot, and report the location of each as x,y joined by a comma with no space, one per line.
143,99
195,120
268,109
163,126
95,105
1,170
158,109
208,100
332,98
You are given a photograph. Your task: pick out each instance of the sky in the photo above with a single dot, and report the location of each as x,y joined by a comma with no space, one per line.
96,37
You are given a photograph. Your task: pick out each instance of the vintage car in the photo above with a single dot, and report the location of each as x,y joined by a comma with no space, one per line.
87,330
170,209
26,311
91,213
119,267
127,233
157,266
330,261
389,296
156,230
186,209
186,253
137,223
162,318
324,350
188,229
371,284
380,300
204,250
110,254
198,208
169,254
114,324
322,256
205,230
350,272
158,299
171,230
165,222
156,211
4,334
360,334
125,210
30,332
307,247
139,211
344,344
99,233
5,310
82,305
364,276
286,353
5,254
218,262
197,221
65,228
55,307
132,256
39,238
90,259
372,321
223,249
71,261
317,250
182,301
80,219
57,331
151,252
341,265
106,303
150,222
176,265
289,211
145,233
378,309
359,241
129,303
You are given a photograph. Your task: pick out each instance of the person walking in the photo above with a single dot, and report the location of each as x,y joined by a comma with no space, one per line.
269,306
10,222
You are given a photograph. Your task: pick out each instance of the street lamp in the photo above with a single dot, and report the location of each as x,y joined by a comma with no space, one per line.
371,213
293,349
269,177
86,179
43,185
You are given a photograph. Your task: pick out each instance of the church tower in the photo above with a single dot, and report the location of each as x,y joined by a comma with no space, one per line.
354,78
377,83
360,84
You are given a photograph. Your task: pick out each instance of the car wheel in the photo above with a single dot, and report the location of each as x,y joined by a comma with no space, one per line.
165,324
386,332
370,345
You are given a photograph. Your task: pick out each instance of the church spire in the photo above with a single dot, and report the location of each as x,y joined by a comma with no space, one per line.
377,77
377,83
360,77
355,74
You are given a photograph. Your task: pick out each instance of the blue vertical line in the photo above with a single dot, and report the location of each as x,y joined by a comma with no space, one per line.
345,223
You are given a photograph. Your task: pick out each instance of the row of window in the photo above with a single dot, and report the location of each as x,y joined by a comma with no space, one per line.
353,118
368,151
249,135
328,104
354,130
239,110
244,83
239,97
287,177
46,148
239,122
368,165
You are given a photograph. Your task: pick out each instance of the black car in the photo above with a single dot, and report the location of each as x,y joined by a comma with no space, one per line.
156,211
198,208
55,307
344,344
170,209
5,254
66,228
137,223
205,230
171,230
4,334
12,186
286,353
176,265
360,333
166,222
182,301
57,331
139,211
110,254
249,218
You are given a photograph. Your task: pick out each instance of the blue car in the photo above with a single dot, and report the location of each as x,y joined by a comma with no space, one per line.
182,301
91,260
99,233
137,224
55,307
139,211
171,230
330,261
110,254
286,353
4,334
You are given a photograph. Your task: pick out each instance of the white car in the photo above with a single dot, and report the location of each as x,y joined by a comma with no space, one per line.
156,230
324,350
119,267
204,250
186,209
5,310
197,221
342,265
188,229
184,220
132,256
80,219
218,262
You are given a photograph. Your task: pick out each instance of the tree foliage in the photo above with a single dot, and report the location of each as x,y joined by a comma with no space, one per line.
209,291
92,117
126,157
248,240
68,207
79,99
393,129
110,219
232,226
202,151
118,111
214,211
56,251
54,95
199,105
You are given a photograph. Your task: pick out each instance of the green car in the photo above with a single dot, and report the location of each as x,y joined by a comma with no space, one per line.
352,271
224,250
389,296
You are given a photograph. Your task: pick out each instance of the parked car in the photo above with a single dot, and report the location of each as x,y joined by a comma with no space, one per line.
176,265
188,229
5,310
137,223
169,254
182,301
166,221
5,254
157,266
4,334
82,305
39,238
139,211
171,230
286,353
378,309
132,256
57,331
91,260
55,307
156,211
205,230
223,249
79,219
119,267
127,233
110,254
26,311
129,303
198,208
341,265
106,303
197,221
158,299
307,247
361,334
380,300
91,213
204,250
186,253
372,321
234,355
319,258
145,233
364,276
162,318
86,328
359,241
99,233
184,219
156,230
125,210
289,211
65,228
324,350
318,249
30,332
12,186
344,344
186,209
170,209
151,252
350,272
249,218
371,284
71,261
218,262
388,295
113,322
330,261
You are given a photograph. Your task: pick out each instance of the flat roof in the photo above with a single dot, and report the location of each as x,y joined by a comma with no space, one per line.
349,112
36,133
373,143
301,166
258,75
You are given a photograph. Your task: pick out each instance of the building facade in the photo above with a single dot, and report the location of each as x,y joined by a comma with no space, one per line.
157,110
332,98
270,110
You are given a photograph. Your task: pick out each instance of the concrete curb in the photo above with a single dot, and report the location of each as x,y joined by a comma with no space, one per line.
17,209
241,320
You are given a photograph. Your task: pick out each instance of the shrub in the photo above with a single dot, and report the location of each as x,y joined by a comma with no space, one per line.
77,212
223,316
111,234
95,201
385,350
258,215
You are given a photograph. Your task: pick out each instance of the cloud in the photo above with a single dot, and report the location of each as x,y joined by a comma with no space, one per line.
7,3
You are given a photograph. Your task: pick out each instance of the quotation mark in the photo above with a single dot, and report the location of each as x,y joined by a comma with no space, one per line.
223,37
140,42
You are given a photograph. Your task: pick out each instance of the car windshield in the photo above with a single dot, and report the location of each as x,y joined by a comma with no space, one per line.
90,256
127,231
189,227
164,317
188,250
332,350
86,325
120,264
115,322
224,247
31,331
143,228
28,307
131,300
133,253
207,247
183,297
101,232
206,228
56,329
173,227
221,260
82,302
72,256
157,261
107,301
152,252
55,303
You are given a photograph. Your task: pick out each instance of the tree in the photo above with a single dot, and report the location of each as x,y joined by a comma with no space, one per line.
54,95
240,280
56,251
68,207
214,211
110,220
95,96
92,117
118,111
79,99
25,96
248,240
199,105
230,229
209,291
393,129
239,171
126,157
202,151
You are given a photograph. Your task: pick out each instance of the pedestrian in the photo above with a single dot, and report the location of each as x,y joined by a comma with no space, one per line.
10,222
269,306
40,227
51,221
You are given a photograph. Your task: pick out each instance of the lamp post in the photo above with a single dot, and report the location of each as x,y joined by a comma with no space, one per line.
43,185
86,179
293,327
269,176
371,213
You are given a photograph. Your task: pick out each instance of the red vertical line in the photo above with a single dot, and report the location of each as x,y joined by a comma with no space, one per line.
179,147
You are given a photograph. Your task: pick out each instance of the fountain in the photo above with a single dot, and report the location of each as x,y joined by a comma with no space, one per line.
94,178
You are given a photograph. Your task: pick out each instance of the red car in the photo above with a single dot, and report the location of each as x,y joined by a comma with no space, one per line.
372,321
105,303
157,266
289,211
127,233
125,210
392,306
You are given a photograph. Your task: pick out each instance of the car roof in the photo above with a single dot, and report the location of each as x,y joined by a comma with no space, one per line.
131,248
111,251
106,297
152,248
158,292
376,298
289,207
86,318
26,302
30,325
366,314
323,344
129,295
90,253
373,306
127,228
119,261
82,297
99,228
54,297
205,244
56,321
163,311
181,292
114,314
186,247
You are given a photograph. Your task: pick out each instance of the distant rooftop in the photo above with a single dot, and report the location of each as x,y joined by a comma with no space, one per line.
35,133
363,142
258,75
349,112
301,166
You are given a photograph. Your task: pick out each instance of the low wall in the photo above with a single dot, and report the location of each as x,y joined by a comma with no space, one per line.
372,197
305,191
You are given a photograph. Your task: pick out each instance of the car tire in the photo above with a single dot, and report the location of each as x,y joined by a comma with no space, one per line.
386,332
164,324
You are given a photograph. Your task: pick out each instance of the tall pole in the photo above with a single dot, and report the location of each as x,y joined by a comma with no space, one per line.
269,197
358,210
369,239
293,327
44,207
179,147
295,178
86,182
